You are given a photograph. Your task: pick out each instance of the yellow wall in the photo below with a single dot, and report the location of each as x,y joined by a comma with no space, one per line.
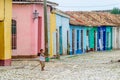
1,10
5,31
52,29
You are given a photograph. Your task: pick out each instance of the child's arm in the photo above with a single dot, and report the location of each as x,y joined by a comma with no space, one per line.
42,54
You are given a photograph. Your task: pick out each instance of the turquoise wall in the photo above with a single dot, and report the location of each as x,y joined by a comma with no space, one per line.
91,36
108,38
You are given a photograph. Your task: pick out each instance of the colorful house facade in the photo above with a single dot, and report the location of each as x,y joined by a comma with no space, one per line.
78,39
5,32
90,31
104,38
59,33
28,27
92,38
116,38
116,34
82,39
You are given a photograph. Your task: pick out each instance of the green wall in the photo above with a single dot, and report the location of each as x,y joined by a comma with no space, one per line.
108,38
91,36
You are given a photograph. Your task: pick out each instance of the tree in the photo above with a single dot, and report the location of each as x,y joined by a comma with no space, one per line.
115,11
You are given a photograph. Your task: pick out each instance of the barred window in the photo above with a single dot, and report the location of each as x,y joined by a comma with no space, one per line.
14,35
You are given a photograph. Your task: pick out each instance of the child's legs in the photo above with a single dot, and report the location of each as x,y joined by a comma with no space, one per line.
42,64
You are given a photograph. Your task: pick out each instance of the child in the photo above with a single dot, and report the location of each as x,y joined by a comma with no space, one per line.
42,59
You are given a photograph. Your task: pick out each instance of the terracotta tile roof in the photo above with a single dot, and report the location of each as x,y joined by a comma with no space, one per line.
93,18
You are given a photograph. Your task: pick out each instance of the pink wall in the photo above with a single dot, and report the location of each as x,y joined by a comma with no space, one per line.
27,28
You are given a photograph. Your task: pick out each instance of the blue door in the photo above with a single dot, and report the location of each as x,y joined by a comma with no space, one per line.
104,37
98,38
60,41
77,42
101,38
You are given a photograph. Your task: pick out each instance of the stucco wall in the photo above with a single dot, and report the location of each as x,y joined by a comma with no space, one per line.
91,36
27,28
78,51
109,38
52,39
5,33
64,23
1,10
116,38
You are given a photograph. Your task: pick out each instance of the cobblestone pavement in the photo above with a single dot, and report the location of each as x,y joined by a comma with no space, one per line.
89,66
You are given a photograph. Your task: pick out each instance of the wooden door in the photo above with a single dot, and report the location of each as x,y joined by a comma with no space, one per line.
60,41
39,33
82,40
87,39
95,40
68,45
73,41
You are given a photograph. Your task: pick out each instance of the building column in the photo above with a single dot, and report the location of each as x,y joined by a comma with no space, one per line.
5,34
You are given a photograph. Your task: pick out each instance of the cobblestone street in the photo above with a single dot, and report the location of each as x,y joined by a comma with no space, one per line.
89,66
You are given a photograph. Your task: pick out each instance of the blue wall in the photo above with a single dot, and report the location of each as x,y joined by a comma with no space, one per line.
63,22
77,48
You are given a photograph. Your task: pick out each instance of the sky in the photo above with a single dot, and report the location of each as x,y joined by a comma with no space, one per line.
86,5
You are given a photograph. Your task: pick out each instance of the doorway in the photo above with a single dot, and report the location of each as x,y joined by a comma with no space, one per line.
39,33
73,41
82,40
60,41
68,45
95,41
87,39
57,42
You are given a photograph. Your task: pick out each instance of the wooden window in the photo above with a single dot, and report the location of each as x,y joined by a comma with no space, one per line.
14,35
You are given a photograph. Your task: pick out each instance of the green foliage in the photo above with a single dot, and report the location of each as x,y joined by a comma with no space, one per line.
115,11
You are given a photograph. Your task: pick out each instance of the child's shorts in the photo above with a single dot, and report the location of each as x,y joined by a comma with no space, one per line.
42,63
